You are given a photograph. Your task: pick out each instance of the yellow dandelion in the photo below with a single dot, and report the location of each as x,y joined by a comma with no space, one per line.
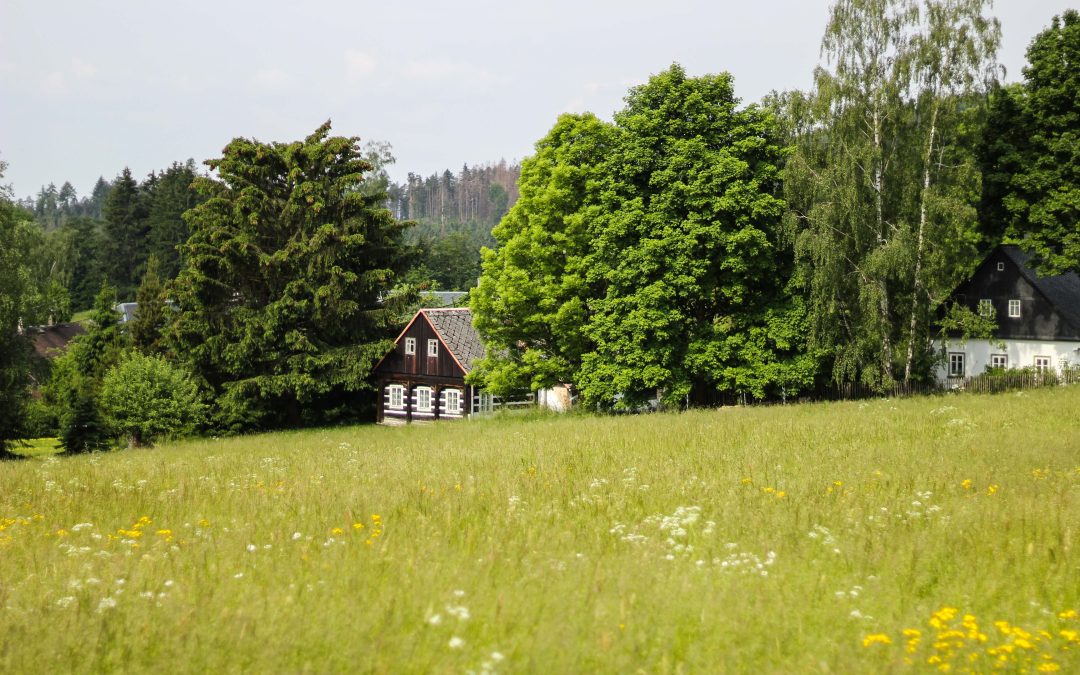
1049,667
358,526
1068,614
337,531
876,639
966,484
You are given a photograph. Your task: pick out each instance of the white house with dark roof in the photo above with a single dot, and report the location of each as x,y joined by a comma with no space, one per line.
1038,318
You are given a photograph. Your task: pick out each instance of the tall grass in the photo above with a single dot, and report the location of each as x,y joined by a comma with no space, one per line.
801,538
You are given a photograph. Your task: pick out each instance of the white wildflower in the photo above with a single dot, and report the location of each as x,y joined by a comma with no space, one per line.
456,643
106,603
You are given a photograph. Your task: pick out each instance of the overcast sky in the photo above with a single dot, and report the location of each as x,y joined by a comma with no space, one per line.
87,88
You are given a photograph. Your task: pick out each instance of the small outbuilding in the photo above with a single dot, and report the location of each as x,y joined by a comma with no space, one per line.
423,378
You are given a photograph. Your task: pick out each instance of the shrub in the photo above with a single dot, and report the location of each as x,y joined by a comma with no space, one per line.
146,398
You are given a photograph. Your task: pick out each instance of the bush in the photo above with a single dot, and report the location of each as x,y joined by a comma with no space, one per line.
146,398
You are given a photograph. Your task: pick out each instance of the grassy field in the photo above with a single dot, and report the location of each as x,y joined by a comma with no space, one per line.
852,537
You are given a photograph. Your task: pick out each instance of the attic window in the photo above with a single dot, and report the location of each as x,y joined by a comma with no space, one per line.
1001,267
1014,309
432,347
410,345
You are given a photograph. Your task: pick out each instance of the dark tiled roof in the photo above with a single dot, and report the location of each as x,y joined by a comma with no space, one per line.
49,341
1063,290
454,326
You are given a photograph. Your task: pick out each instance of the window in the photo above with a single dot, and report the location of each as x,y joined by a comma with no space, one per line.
956,364
1014,309
999,361
986,307
1042,363
397,396
1001,267
423,399
410,345
453,401
432,347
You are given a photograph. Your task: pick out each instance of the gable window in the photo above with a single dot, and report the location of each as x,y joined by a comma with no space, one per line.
410,345
453,401
432,347
999,361
423,399
397,396
956,364
1042,363
986,307
1001,267
1014,309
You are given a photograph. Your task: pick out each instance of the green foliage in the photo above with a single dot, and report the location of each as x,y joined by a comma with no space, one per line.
278,301
883,184
151,313
82,428
691,253
1032,151
171,196
531,303
125,245
642,257
145,398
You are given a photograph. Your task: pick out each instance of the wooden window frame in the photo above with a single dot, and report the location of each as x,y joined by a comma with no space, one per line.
1044,366
954,359
432,349
1014,309
453,401
986,307
410,346
420,407
1004,358
400,391
1001,267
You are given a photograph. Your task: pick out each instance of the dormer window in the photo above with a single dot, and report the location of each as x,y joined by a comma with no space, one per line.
1014,309
410,346
432,348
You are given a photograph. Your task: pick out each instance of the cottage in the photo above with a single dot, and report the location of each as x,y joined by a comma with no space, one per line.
423,378
1038,318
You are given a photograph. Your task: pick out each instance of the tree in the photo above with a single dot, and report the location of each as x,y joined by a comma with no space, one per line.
279,313
689,251
19,306
77,376
150,311
124,245
883,181
172,195
531,304
145,398
1041,158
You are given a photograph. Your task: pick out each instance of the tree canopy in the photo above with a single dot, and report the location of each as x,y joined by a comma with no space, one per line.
278,301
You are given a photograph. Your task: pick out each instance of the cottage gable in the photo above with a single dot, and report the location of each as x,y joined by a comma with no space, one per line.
423,377
1027,307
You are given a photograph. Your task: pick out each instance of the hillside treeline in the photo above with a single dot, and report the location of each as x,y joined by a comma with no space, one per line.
694,250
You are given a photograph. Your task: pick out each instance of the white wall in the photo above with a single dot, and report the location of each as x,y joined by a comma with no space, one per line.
1020,353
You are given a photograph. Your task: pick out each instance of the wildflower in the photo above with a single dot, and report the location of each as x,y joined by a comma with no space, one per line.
1068,614
1048,667
435,619
337,531
992,489
252,548
65,601
876,638
456,643
296,536
106,603
357,526
497,656
966,484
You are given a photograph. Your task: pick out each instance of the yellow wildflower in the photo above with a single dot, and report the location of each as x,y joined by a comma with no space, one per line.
1049,667
337,531
876,638
966,484
1068,614
358,526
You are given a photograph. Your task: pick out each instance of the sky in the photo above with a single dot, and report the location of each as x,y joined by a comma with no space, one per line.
87,88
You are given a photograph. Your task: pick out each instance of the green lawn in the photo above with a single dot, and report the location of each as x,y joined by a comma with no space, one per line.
785,539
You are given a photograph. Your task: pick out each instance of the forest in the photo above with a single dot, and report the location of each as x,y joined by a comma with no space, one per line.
694,249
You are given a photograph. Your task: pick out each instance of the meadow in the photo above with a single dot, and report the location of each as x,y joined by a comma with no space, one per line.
933,534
